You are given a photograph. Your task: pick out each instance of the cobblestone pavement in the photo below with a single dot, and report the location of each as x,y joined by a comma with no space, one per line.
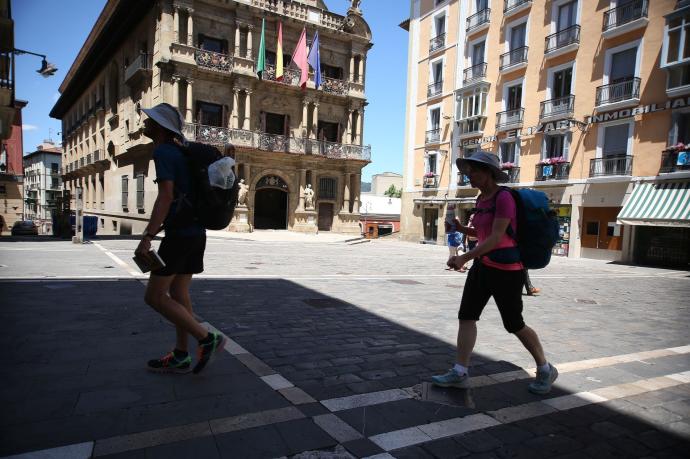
331,349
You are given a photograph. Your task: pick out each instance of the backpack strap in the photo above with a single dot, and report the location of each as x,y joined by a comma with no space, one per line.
492,209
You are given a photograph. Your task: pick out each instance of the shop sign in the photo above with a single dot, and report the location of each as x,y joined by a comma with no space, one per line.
546,127
478,141
639,110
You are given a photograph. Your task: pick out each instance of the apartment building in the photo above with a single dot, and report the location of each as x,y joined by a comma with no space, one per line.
201,56
585,100
42,184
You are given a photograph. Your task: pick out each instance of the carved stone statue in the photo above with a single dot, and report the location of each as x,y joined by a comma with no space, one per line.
354,4
308,197
242,194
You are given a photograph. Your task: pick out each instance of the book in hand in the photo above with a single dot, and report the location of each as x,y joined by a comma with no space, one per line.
151,262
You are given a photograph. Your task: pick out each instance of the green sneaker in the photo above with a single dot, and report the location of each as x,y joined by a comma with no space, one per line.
452,379
170,363
544,380
208,349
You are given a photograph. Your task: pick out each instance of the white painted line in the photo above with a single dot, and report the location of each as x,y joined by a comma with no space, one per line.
277,382
296,396
360,400
76,451
400,438
568,402
457,426
116,259
251,420
380,456
233,348
337,428
140,440
520,412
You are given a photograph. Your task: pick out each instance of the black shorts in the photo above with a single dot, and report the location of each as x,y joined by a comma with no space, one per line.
182,255
483,282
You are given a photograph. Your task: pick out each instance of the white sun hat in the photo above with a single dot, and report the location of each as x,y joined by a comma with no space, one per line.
166,116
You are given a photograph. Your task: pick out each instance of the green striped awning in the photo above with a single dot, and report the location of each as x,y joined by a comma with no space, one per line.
658,204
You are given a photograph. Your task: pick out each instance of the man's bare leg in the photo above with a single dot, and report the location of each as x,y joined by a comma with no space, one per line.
179,291
157,297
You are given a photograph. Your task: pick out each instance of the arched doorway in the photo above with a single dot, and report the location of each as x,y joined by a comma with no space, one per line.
271,203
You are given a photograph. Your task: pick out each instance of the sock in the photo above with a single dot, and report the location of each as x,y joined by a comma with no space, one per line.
459,369
180,354
208,339
544,368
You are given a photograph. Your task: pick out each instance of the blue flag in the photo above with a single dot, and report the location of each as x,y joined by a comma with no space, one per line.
314,60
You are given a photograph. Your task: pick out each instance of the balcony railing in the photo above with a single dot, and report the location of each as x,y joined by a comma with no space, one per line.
473,73
437,42
140,63
334,86
430,181
513,174
513,57
670,161
290,76
510,5
433,136
272,142
478,19
562,106
214,61
557,171
616,165
617,92
6,73
562,39
625,13
435,89
509,118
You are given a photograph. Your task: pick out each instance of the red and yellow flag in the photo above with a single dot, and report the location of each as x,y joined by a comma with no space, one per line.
279,53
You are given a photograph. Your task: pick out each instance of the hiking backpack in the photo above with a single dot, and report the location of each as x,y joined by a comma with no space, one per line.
210,206
537,226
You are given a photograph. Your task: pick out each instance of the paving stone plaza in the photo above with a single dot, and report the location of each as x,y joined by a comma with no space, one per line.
331,348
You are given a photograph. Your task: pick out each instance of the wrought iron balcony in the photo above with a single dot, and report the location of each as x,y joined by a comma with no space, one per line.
433,136
140,66
513,174
435,89
290,76
556,171
510,118
513,57
561,107
613,165
430,181
625,13
675,161
561,39
214,61
479,19
618,92
334,86
510,6
217,135
476,72
438,42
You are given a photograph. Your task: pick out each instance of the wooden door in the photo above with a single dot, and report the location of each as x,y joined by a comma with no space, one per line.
325,216
599,228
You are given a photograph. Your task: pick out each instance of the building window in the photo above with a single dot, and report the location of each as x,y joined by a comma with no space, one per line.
566,16
677,40
329,131
140,191
616,140
125,192
209,114
510,153
431,160
678,76
556,146
327,188
330,71
54,168
274,123
213,44
472,104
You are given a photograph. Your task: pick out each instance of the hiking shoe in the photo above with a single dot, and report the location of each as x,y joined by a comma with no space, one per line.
208,350
542,383
452,379
170,363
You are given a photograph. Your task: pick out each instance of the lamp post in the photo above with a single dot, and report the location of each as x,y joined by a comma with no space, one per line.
47,69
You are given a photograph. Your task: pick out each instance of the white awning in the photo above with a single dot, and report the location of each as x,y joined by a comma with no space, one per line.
658,204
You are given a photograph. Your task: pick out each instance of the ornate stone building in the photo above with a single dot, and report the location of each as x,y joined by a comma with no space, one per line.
200,56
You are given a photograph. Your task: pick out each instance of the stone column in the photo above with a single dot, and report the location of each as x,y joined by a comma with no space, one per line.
360,128
346,194
176,24
351,77
305,116
190,27
237,39
302,186
315,121
357,190
247,173
234,118
348,129
363,69
190,102
176,92
246,122
250,40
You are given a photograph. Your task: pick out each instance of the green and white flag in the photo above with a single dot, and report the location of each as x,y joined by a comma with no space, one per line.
261,61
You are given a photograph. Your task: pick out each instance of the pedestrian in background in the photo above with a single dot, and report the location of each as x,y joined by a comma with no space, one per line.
531,289
491,275
453,236
182,248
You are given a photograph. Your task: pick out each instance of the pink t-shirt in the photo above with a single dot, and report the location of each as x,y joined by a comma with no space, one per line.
484,221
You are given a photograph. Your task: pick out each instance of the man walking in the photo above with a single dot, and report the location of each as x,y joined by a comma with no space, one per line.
182,248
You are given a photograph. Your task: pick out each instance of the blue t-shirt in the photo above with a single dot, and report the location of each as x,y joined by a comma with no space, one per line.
171,164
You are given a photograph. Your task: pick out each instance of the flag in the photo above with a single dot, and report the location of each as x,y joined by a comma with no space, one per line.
279,53
315,60
261,62
299,58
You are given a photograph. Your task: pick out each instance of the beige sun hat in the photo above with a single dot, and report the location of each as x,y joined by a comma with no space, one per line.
166,116
488,159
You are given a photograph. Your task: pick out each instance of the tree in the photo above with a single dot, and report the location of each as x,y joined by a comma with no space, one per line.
393,192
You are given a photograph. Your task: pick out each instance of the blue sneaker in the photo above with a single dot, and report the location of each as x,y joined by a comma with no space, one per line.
452,379
544,380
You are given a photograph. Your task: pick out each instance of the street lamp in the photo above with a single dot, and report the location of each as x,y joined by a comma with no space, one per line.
47,69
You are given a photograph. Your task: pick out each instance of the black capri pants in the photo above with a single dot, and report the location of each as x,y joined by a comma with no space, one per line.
483,282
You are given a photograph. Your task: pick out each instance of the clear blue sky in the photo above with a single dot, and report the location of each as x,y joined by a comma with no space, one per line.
59,28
